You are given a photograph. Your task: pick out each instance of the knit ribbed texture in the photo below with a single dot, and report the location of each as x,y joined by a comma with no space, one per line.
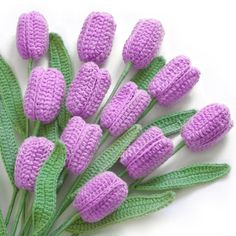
81,141
146,153
96,37
173,81
207,127
124,109
143,43
100,196
32,35
44,94
30,158
87,90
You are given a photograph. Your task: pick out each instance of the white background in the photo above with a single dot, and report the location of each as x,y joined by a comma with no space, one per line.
202,30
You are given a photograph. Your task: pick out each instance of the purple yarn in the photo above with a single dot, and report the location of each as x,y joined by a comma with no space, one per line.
173,81
81,141
96,37
87,90
44,94
100,196
124,109
207,127
143,43
146,153
31,156
32,35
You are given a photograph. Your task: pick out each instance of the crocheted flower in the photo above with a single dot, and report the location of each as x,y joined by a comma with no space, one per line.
44,94
100,196
124,109
87,90
81,141
143,43
173,81
207,127
32,35
146,153
31,156
96,37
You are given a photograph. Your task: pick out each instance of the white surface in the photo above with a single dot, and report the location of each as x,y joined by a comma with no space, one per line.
204,31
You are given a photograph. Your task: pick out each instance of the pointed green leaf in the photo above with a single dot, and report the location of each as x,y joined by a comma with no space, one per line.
132,207
50,131
143,77
185,177
172,123
11,95
3,228
46,184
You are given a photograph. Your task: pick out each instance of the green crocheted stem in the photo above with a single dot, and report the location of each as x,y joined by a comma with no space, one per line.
36,128
105,136
3,228
11,205
148,109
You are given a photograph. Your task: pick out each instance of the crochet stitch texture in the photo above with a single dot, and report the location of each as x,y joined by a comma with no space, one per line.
31,156
87,90
207,127
96,37
143,43
173,81
124,108
100,196
81,141
44,94
32,35
146,153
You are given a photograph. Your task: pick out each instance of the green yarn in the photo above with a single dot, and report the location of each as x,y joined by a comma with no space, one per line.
3,228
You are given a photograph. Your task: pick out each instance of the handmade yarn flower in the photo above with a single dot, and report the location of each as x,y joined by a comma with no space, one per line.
44,94
31,156
99,197
143,43
32,35
146,153
96,37
207,127
87,90
81,141
124,109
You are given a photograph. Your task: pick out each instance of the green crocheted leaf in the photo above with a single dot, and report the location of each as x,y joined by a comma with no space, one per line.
46,184
59,58
143,77
11,95
172,123
50,131
132,207
185,177
3,228
8,144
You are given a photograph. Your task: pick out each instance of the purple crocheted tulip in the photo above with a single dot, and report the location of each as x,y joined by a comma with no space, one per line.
146,153
207,127
99,197
87,90
96,37
81,141
173,81
143,43
31,156
44,94
32,35
124,109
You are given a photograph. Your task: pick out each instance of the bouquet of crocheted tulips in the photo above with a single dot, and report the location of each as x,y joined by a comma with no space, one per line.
60,127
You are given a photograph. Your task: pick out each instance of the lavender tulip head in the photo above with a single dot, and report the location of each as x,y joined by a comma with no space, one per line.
143,43
87,90
146,153
44,94
173,81
96,37
207,127
32,35
100,196
31,156
124,109
81,141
